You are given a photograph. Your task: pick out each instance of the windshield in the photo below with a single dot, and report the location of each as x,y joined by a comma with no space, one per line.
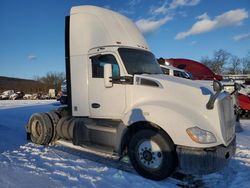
185,75
190,76
139,61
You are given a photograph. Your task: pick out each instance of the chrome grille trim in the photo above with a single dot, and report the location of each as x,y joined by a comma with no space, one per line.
227,118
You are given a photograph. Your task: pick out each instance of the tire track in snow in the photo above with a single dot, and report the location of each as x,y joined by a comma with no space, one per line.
74,168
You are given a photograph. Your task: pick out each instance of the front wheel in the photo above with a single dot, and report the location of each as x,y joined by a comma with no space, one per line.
152,154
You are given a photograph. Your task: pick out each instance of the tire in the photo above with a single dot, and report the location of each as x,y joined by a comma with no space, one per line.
152,154
65,127
54,117
40,128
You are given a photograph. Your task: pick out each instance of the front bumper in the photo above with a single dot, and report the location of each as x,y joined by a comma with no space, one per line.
206,160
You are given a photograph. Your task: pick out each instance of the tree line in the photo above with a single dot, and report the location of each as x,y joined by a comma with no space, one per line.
222,62
52,80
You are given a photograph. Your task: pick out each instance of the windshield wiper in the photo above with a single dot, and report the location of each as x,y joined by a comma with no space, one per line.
147,73
141,73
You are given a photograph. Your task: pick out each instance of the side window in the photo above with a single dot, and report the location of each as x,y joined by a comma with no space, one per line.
165,70
98,63
177,73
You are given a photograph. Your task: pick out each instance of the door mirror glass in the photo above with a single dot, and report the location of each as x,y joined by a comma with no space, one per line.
115,71
108,75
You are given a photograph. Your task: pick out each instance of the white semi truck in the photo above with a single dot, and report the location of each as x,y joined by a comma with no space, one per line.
121,103
173,71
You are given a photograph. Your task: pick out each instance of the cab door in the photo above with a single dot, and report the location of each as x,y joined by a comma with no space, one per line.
107,103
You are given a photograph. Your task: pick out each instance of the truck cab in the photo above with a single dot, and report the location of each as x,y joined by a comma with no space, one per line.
120,102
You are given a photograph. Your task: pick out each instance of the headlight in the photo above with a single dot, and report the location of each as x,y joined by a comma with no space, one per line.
201,136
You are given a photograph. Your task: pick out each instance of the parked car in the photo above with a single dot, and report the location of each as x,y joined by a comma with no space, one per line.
17,95
27,96
6,94
246,86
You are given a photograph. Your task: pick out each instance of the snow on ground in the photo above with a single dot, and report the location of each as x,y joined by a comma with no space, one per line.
4,104
24,165
237,174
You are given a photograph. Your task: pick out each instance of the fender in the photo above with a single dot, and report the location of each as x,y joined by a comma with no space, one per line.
170,118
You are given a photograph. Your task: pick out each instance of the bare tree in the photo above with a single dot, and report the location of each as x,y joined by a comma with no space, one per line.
235,65
245,63
218,62
52,80
207,61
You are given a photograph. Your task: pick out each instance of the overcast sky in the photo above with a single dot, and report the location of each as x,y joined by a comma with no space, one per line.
32,31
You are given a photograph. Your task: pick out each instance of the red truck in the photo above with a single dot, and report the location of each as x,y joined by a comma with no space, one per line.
198,70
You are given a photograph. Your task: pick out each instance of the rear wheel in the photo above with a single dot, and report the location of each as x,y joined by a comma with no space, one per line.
54,117
40,128
152,154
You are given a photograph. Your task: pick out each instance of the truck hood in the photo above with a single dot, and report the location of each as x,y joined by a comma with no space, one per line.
181,91
188,98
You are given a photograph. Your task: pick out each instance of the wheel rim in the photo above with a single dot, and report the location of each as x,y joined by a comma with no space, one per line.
36,128
149,154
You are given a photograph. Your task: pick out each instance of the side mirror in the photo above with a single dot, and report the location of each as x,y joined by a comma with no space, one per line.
217,86
237,87
108,76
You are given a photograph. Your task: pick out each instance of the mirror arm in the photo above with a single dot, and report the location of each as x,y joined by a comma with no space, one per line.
237,87
210,103
121,80
217,88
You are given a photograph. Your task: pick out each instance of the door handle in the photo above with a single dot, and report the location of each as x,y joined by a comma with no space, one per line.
95,105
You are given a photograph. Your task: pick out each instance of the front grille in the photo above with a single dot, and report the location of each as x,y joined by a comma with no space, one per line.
227,117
